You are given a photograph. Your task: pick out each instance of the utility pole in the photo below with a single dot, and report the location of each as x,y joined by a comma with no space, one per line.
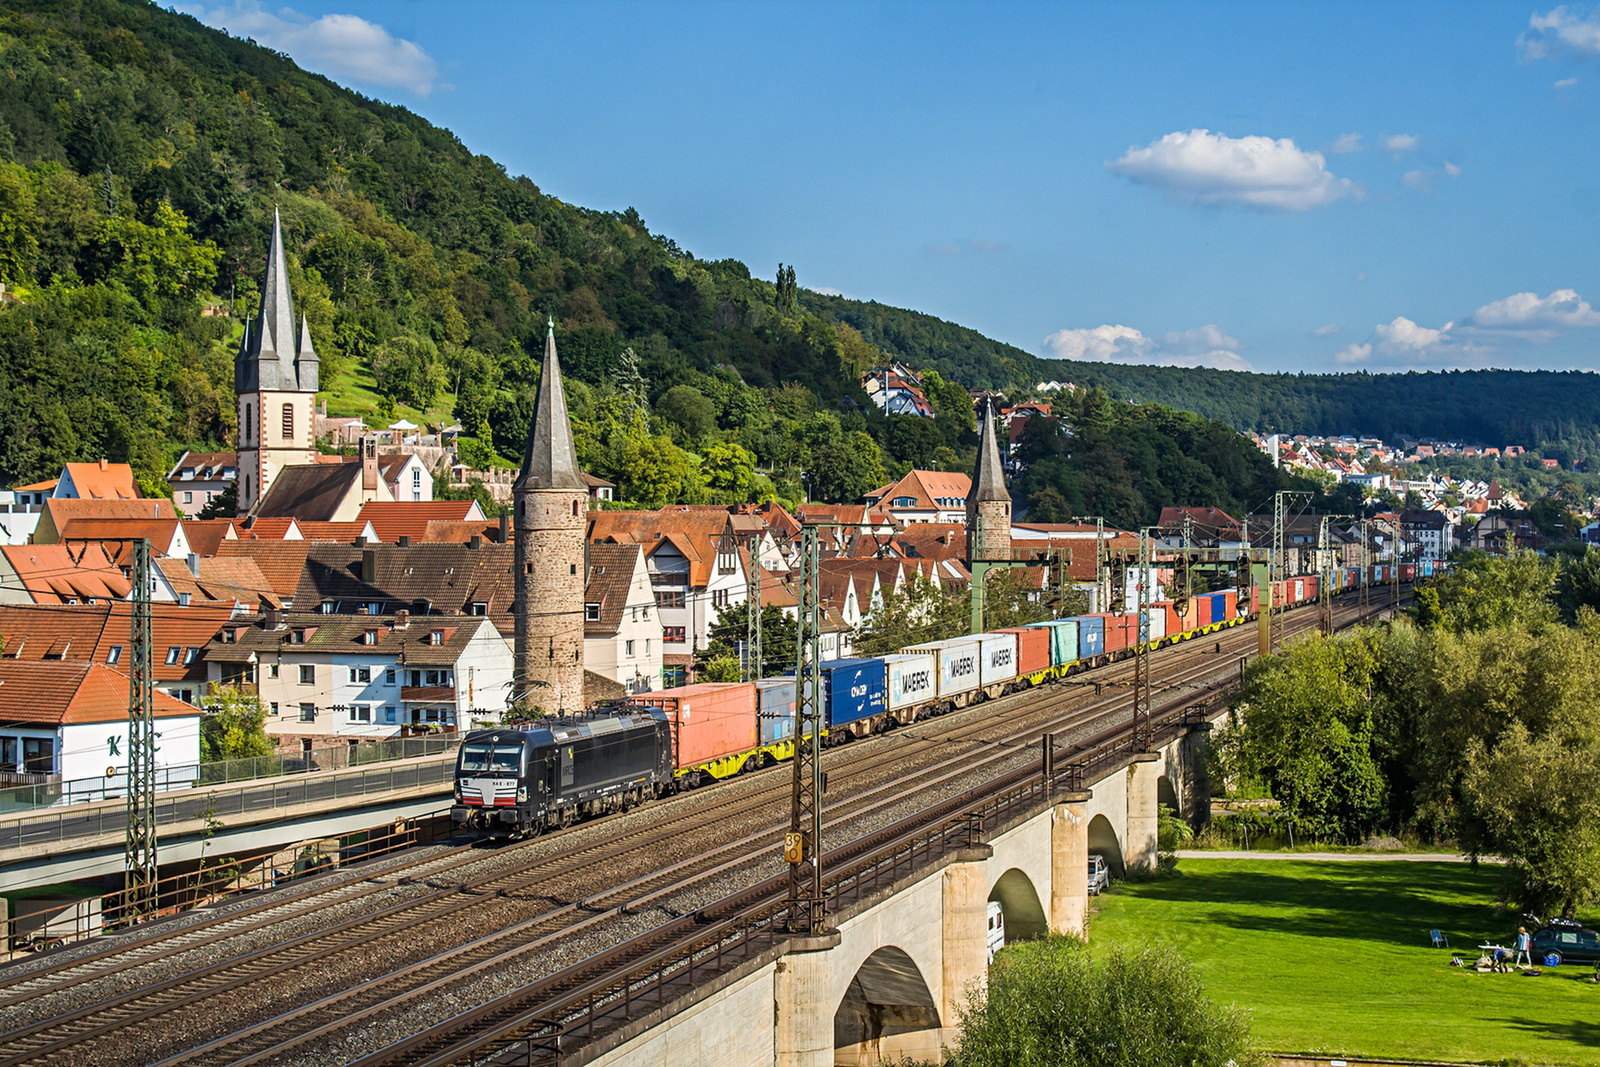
802,846
140,873
1366,571
1099,559
752,622
1324,578
1141,655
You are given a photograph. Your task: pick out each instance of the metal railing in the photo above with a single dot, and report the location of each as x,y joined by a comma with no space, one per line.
49,794
216,879
216,806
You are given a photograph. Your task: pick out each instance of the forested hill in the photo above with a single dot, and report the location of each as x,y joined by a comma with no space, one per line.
1555,411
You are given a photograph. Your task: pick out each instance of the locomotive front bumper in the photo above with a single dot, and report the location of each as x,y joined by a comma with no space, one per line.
462,813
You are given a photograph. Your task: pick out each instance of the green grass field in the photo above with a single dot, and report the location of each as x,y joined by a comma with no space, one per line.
1334,957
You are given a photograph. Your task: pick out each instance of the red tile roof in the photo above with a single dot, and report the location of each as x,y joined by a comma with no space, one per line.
103,481
280,562
206,534
410,518
54,694
63,574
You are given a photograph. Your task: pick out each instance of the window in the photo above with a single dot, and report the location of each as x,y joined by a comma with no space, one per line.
272,670
669,598
297,636
360,675
8,753
308,674
369,637
388,713
905,502
591,613
436,638
188,497
572,568
478,607
388,677
244,438
628,648
719,598
647,646
288,422
38,755
646,611
114,655
190,655
430,677
672,635
416,478
274,709
173,653
727,562
633,614
360,712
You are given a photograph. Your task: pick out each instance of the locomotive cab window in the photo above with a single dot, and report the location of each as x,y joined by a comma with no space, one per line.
502,758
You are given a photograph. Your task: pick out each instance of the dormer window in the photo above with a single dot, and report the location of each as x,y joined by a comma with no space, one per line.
591,613
369,637
297,636
436,638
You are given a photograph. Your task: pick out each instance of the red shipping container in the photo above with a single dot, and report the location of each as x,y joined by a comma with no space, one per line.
1176,622
708,721
1202,611
1230,598
1311,587
1117,631
1033,648
1408,572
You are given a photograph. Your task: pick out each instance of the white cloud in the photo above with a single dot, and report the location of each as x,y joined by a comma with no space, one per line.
1332,329
1347,143
340,46
827,291
1352,353
1361,276
1401,143
1404,336
1420,180
1451,169
1530,317
1564,83
1562,30
1203,346
1202,167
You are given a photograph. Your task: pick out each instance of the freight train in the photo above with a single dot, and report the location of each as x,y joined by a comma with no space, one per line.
516,782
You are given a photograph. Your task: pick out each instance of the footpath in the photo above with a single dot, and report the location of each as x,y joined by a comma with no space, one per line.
1333,857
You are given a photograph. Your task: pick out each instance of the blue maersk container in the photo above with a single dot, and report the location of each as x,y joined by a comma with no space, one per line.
777,709
1219,607
853,689
1091,636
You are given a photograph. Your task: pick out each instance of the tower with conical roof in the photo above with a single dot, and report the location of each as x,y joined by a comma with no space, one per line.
275,377
988,502
550,500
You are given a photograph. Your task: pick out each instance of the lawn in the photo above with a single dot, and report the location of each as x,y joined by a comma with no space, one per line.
1334,957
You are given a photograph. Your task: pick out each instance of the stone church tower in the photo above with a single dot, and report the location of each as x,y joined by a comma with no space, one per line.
275,380
551,510
988,502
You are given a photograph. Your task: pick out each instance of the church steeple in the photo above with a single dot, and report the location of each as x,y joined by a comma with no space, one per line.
989,481
275,354
550,460
988,502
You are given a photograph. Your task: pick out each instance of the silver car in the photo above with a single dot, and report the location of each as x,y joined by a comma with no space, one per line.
1099,874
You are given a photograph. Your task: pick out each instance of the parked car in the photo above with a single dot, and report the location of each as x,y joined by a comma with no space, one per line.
1564,941
1099,874
997,929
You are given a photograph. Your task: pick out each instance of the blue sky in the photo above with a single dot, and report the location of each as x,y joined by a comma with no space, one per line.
1287,186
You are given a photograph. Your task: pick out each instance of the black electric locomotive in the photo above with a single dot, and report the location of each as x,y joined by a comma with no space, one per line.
516,782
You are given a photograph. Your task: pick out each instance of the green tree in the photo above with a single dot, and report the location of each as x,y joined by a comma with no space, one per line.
233,726
1579,584
158,262
723,668
688,409
918,612
729,472
842,470
779,633
1055,1003
408,371
1482,592
19,245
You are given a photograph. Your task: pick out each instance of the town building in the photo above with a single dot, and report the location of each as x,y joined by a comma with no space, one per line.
198,478
621,625
924,496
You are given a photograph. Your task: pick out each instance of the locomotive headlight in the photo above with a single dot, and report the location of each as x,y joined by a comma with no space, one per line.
522,794
458,789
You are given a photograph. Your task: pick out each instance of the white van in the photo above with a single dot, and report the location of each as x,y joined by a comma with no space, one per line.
997,929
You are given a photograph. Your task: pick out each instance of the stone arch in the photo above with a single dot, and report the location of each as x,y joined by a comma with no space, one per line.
887,1013
1019,903
1103,839
1167,793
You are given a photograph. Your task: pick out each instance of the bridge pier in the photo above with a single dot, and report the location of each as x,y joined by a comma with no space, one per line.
1069,864
966,940
804,1002
1192,749
1144,775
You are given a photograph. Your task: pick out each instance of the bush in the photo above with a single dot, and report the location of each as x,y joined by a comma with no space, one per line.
1054,1004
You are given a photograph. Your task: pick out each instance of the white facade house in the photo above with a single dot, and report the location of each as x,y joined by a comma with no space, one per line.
198,478
324,677
621,624
408,477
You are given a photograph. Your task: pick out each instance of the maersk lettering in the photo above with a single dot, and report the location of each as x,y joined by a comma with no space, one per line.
962,665
915,681
1000,657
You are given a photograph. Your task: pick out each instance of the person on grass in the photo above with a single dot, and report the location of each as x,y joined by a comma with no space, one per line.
1524,947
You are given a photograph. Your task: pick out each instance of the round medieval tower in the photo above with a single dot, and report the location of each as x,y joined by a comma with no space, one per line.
550,501
988,502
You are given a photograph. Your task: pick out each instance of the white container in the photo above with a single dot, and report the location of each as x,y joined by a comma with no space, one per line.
999,661
913,679
958,664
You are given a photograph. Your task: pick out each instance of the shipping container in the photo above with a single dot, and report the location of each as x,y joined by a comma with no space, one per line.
1313,587
777,709
1122,631
1063,636
1408,572
958,665
1091,637
913,679
1173,621
709,721
853,690
1202,611
1159,621
1298,592
1230,603
1034,642
998,662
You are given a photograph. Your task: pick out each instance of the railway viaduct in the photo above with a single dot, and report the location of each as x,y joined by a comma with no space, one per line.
888,980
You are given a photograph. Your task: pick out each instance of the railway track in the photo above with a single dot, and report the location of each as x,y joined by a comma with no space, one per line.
62,1036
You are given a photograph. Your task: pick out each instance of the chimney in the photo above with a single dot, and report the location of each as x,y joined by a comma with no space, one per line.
369,464
361,542
402,618
405,540
102,463
476,542
369,565
194,565
505,520
272,619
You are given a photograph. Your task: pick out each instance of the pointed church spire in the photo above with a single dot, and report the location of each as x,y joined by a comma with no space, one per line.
989,480
277,305
307,366
551,461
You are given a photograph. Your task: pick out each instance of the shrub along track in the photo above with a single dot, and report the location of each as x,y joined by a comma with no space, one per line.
532,895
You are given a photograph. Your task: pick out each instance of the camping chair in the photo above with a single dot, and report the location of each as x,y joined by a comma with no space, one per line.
1439,940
